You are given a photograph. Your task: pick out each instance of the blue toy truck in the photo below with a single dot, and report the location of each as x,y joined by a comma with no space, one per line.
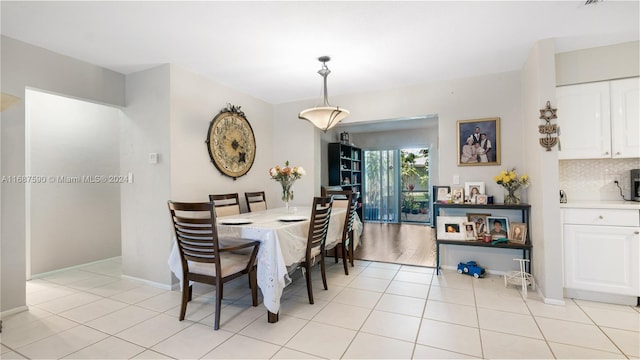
471,268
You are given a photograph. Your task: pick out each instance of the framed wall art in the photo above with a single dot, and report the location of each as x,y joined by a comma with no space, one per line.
231,142
479,142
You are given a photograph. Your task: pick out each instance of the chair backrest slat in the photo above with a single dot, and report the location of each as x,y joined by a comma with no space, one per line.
319,225
347,231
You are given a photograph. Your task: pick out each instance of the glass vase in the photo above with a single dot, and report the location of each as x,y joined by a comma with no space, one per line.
512,197
287,193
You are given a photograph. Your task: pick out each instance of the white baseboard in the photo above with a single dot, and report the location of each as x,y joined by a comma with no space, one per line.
44,274
150,283
629,300
546,300
144,281
13,311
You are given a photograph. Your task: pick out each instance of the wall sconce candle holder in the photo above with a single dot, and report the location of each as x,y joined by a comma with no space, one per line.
547,114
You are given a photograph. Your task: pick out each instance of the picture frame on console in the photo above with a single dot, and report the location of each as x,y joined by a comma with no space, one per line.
451,227
498,226
457,195
440,193
473,189
470,233
518,232
481,222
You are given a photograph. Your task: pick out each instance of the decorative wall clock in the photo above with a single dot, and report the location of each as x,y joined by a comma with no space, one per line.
231,143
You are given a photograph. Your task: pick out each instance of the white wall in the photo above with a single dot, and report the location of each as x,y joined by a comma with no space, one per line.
146,239
538,87
168,112
195,101
51,72
396,139
598,64
299,142
71,138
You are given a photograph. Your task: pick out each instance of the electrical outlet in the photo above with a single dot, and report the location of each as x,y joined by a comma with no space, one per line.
611,178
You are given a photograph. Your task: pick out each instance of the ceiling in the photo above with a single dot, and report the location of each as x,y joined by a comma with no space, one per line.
269,49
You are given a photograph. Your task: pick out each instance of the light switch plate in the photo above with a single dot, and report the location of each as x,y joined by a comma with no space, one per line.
153,158
456,179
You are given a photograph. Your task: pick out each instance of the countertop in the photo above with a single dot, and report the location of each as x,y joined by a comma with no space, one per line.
595,204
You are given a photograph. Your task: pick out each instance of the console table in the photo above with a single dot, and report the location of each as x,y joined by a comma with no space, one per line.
525,211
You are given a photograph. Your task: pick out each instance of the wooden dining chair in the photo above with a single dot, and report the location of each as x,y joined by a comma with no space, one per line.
226,204
256,201
318,228
341,198
203,259
345,245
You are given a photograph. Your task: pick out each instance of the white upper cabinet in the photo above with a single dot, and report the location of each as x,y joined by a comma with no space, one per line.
599,120
625,118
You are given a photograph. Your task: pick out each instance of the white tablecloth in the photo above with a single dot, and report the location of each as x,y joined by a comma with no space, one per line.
283,244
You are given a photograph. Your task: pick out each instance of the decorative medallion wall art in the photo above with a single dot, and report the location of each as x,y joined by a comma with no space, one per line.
231,143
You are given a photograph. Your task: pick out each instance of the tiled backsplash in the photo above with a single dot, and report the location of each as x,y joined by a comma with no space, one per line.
593,179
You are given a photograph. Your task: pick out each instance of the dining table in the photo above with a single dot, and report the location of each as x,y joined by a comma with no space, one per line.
283,234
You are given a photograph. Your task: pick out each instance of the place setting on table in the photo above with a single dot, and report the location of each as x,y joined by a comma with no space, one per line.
265,217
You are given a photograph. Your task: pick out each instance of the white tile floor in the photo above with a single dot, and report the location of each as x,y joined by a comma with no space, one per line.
379,311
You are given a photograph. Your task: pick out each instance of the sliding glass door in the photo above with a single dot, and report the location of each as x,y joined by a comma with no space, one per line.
396,185
381,185
414,164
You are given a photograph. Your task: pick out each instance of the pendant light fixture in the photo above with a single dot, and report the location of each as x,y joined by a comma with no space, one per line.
327,116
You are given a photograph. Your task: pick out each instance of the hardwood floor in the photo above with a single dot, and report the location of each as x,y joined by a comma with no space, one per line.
406,244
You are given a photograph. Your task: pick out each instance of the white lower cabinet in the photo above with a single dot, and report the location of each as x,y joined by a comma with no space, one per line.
602,259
